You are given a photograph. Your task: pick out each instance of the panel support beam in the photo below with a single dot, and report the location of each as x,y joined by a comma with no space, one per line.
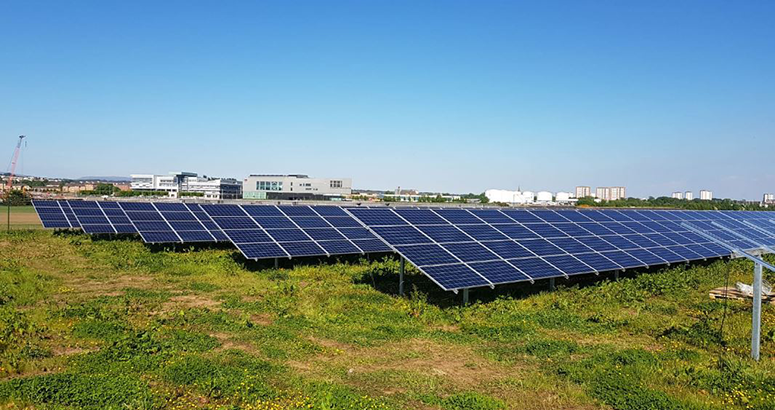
757,312
276,263
401,268
551,284
616,275
465,296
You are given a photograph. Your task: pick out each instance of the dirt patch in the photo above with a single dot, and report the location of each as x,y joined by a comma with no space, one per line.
262,319
459,366
227,343
69,350
189,301
110,287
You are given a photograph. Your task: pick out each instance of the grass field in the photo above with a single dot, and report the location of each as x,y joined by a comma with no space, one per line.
22,217
114,324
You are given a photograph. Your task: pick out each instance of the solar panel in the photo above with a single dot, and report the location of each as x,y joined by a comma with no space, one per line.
456,248
91,217
546,243
51,214
268,231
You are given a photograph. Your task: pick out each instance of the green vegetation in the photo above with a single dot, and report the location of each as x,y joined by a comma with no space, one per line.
675,203
115,324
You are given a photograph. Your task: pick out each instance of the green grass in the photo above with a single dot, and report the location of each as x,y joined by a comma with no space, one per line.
115,324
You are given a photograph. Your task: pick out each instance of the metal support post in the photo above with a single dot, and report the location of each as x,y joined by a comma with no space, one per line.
757,311
551,284
616,275
401,268
465,296
276,263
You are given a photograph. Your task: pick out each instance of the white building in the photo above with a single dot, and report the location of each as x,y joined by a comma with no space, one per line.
706,195
768,199
544,197
510,197
178,184
583,191
295,187
689,195
563,197
677,195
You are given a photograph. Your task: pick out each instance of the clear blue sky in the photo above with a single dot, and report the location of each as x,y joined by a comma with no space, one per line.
450,96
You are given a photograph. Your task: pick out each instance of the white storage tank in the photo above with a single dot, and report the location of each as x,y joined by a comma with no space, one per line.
562,197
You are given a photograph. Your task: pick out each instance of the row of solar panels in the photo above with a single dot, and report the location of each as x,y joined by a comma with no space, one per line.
456,248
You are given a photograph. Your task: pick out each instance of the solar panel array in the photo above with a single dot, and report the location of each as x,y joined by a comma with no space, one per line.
456,247
463,248
55,214
268,231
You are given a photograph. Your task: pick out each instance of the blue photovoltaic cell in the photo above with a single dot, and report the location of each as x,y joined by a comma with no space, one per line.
342,247
377,217
536,268
458,216
646,257
515,231
159,237
423,255
342,222
541,247
420,216
325,234
623,259
570,245
508,249
455,276
288,235
308,248
400,235
522,216
667,254
492,216
357,233
470,252
568,264
262,250
549,216
499,272
310,222
372,245
597,261
483,232
444,233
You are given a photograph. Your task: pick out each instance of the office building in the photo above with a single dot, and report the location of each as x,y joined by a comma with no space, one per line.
295,187
179,184
678,195
706,195
689,195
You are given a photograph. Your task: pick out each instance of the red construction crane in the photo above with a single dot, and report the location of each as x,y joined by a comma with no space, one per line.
13,163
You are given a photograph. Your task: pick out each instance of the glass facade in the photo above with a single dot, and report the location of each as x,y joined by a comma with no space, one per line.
269,185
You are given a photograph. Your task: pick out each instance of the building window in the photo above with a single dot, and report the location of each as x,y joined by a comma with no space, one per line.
269,185
336,184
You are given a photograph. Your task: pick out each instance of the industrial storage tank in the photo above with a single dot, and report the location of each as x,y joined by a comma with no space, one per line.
562,197
529,196
544,196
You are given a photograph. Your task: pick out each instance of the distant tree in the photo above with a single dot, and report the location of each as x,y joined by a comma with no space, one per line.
16,197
